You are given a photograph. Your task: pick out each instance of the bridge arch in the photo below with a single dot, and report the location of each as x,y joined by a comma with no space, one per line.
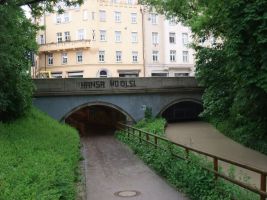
98,103
91,115
182,109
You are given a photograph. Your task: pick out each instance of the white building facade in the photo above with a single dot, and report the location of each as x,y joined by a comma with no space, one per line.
166,47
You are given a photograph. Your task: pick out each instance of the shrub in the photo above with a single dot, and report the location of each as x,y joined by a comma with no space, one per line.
148,113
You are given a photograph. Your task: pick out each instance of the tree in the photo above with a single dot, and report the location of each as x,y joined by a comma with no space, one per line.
233,71
17,42
17,39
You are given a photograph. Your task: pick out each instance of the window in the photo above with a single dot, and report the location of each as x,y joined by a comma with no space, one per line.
67,36
102,15
42,41
133,18
93,15
155,38
172,55
59,37
154,18
50,59
135,56
159,74
117,36
75,74
155,56
58,19
66,17
134,37
172,38
64,57
81,34
117,16
103,74
85,15
102,35
93,35
101,56
185,57
130,2
56,74
128,73
118,56
181,74
185,38
79,57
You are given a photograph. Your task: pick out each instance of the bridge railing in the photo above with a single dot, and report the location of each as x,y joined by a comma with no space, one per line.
154,139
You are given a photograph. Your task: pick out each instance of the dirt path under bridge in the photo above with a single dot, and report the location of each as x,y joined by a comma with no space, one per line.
111,167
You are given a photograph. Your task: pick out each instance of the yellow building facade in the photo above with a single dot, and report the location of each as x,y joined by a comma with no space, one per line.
97,39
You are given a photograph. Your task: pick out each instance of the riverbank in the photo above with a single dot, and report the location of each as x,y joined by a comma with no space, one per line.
204,137
189,177
39,158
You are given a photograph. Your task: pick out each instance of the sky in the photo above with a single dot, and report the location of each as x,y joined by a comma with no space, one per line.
27,11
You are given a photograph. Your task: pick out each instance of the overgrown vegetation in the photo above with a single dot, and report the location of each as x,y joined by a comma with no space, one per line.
154,125
189,177
39,159
230,43
17,39
18,44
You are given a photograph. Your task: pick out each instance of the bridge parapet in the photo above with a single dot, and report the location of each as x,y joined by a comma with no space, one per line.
90,86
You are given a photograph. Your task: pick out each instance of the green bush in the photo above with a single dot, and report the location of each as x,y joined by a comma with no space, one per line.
156,125
148,113
186,176
17,39
39,159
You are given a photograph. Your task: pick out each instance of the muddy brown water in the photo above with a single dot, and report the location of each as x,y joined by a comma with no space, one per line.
203,136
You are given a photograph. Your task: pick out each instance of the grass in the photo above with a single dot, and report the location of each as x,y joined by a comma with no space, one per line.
38,159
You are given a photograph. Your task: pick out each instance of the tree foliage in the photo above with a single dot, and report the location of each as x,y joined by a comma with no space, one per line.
17,41
233,70
38,7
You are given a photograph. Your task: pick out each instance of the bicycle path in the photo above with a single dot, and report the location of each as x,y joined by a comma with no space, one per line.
111,168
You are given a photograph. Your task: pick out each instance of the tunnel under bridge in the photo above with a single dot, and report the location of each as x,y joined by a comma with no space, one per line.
109,100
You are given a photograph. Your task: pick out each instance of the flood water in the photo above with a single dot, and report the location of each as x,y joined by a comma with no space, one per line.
204,137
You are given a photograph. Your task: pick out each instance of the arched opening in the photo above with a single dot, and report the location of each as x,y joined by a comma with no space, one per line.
182,111
103,74
96,119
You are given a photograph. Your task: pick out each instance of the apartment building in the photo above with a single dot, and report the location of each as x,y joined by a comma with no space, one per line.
96,39
166,47
113,38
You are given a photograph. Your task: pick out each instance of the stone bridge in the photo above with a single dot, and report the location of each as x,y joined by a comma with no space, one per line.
173,98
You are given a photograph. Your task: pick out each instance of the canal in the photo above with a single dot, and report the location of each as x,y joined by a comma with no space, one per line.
203,136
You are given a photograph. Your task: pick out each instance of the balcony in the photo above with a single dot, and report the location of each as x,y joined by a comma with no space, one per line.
65,45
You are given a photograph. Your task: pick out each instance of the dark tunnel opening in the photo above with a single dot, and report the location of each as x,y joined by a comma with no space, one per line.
183,111
97,119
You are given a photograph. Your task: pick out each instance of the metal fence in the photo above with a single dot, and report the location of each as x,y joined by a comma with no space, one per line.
154,139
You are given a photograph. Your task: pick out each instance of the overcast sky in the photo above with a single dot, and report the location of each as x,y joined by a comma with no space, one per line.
27,11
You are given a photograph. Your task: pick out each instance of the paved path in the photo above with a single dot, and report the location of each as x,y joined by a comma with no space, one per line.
111,167
205,137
